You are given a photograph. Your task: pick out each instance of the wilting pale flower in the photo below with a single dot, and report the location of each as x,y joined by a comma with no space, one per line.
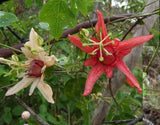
25,115
35,66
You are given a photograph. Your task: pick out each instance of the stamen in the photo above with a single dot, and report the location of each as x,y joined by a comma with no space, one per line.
107,53
87,44
101,57
104,38
94,52
92,41
111,42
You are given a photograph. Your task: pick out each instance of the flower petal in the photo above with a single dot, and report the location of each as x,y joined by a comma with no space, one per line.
50,60
90,62
76,41
122,53
131,79
33,37
20,85
46,91
93,76
109,71
133,42
33,86
101,26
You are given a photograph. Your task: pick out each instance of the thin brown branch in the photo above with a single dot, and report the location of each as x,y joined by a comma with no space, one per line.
131,121
4,52
15,34
130,29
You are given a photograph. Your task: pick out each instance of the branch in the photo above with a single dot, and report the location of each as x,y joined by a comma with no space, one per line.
7,53
4,52
30,110
131,121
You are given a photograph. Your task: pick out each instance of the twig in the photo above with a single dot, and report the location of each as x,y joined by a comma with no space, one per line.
118,121
30,110
110,88
132,121
131,28
152,58
16,35
136,120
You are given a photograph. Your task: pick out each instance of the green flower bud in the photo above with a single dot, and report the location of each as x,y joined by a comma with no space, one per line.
84,32
15,58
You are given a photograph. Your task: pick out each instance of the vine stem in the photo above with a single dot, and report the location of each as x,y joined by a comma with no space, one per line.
10,47
152,58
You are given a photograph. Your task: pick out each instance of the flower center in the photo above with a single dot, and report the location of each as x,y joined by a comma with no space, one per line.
35,68
101,47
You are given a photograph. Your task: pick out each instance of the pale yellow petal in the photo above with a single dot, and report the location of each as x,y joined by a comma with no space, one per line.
34,84
50,60
20,85
28,53
33,37
46,91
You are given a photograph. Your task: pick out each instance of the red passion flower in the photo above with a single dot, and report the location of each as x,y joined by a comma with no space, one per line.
106,54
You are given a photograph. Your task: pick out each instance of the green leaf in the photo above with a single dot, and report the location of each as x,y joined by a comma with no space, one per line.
43,109
17,110
82,6
74,87
7,19
7,115
51,119
28,3
58,15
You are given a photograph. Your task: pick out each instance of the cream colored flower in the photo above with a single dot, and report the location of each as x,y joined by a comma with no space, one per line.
37,62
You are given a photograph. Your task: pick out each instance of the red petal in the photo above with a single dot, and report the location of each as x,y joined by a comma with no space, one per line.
90,62
101,25
109,71
76,41
93,76
131,79
123,53
133,42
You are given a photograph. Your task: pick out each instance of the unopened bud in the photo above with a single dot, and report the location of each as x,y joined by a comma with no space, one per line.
25,115
84,32
15,58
